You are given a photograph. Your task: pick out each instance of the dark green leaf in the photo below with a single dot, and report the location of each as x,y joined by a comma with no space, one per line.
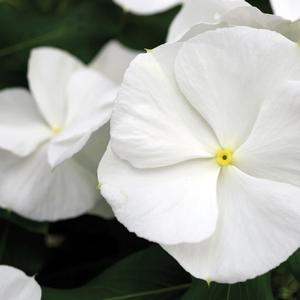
80,27
38,227
149,275
22,249
262,5
255,289
294,264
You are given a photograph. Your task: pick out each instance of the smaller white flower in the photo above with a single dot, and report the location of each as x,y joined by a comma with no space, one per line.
200,11
16,285
147,7
289,9
48,156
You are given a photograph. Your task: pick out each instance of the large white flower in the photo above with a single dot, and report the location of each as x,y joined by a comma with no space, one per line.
205,151
44,175
147,7
16,285
289,9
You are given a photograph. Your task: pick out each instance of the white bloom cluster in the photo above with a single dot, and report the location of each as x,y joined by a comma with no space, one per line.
204,145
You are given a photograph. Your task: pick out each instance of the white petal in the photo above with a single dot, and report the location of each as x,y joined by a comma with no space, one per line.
228,90
258,228
113,60
90,157
29,187
200,11
272,150
22,129
102,209
251,17
289,9
16,285
168,205
49,72
152,123
90,103
145,7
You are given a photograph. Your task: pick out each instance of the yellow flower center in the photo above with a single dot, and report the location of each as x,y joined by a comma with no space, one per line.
56,130
224,157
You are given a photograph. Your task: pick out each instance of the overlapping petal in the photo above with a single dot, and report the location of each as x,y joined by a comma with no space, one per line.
146,7
32,189
171,205
200,11
272,150
153,125
22,128
49,72
90,156
113,60
15,285
90,100
228,91
255,216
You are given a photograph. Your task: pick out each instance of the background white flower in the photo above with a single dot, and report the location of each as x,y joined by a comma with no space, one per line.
205,151
44,175
147,7
16,285
289,9
200,11
251,17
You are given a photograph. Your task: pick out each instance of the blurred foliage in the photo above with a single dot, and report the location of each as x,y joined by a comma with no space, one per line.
80,27
38,227
78,258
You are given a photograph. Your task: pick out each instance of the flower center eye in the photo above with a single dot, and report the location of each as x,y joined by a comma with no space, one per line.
224,157
56,130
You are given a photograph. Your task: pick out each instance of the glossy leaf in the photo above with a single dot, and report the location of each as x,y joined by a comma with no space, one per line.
150,275
255,289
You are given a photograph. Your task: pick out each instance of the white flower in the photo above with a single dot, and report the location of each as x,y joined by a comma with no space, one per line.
200,11
146,7
289,9
44,175
205,151
15,285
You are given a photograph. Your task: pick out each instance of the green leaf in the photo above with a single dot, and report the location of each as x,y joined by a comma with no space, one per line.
264,6
22,249
294,264
148,275
80,27
255,289
38,227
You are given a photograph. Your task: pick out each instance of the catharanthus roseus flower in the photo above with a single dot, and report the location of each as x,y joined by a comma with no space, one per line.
146,7
15,285
204,154
47,170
